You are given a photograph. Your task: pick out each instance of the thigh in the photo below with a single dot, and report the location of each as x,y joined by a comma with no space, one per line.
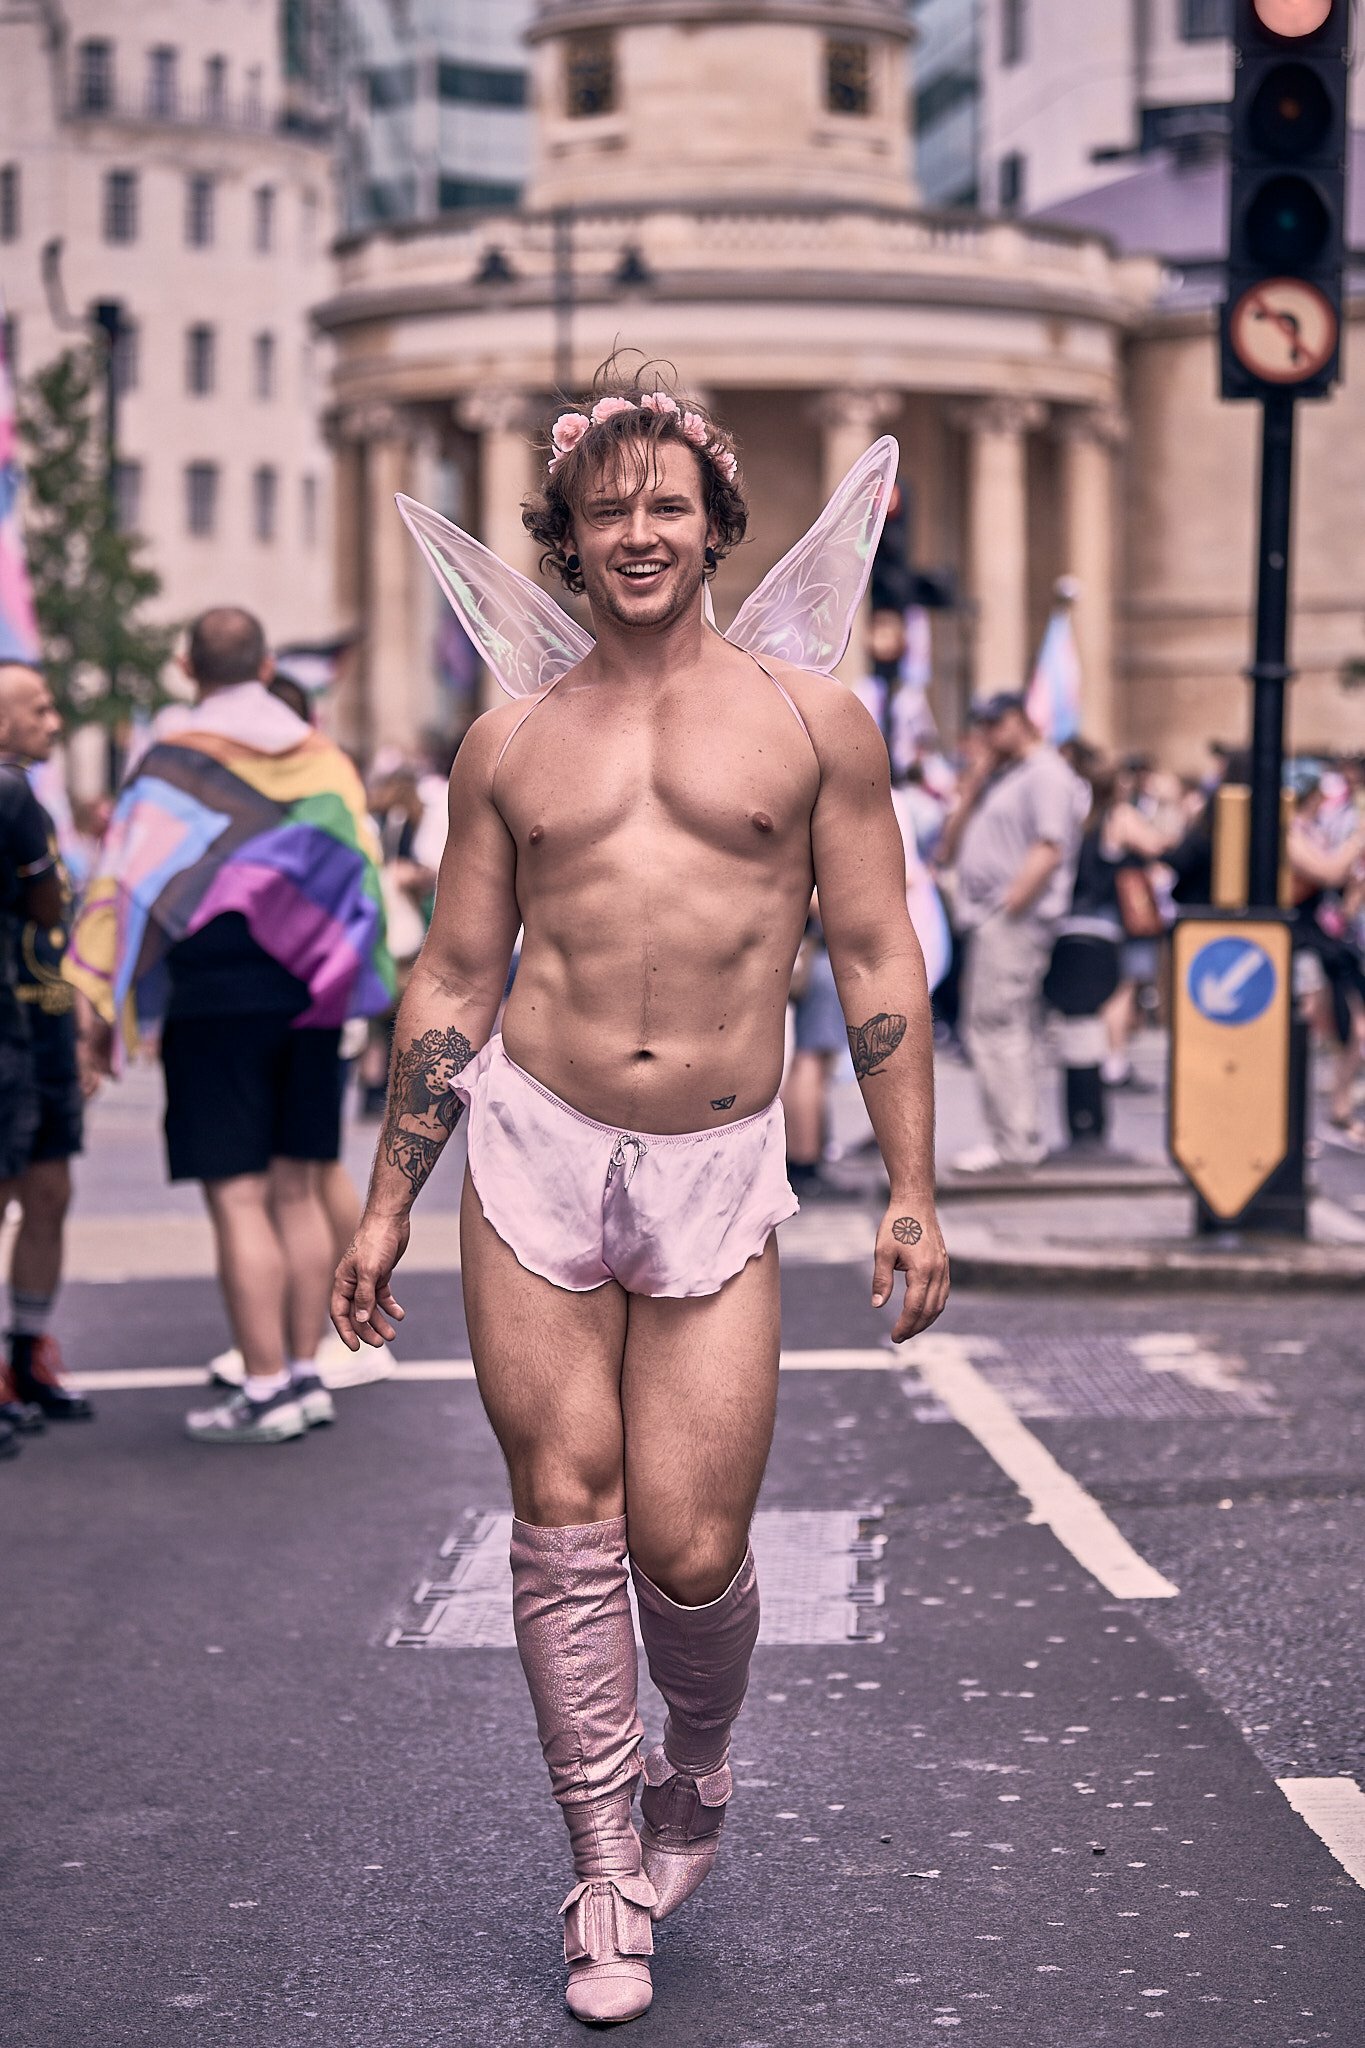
699,1395
548,1365
18,1109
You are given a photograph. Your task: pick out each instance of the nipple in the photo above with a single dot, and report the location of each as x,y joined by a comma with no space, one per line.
537,833
763,821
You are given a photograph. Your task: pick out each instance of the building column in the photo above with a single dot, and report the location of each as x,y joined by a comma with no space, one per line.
1088,439
394,663
997,536
508,468
850,422
347,720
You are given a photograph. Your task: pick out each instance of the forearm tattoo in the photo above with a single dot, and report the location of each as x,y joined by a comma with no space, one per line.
423,1106
873,1042
907,1230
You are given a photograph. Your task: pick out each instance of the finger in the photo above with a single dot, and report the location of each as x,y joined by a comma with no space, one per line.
911,1318
384,1296
883,1270
340,1312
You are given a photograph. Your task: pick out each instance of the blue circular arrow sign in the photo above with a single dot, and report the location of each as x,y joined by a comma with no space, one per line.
1231,981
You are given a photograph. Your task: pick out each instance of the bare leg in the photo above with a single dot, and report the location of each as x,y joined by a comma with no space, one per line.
342,1203
803,1105
304,1231
44,1190
251,1269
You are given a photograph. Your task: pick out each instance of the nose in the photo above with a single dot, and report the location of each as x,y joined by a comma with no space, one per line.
640,532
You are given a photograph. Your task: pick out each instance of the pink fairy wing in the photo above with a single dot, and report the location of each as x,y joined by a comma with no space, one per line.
522,634
803,610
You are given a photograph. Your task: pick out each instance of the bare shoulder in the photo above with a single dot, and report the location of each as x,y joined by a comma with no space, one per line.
481,748
842,729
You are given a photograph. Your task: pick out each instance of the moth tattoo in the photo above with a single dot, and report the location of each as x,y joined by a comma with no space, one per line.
873,1042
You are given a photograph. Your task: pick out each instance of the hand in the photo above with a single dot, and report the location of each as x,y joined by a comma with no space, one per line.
94,1054
910,1241
363,1308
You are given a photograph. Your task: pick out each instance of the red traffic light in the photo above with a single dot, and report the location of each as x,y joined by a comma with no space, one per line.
1291,18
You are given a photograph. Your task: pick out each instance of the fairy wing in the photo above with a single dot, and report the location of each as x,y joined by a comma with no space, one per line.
522,634
803,610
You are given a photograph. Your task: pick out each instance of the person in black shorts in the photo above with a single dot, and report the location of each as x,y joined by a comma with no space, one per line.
35,1107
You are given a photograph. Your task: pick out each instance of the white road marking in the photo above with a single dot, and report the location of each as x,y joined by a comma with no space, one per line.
144,1378
1334,1809
1074,1516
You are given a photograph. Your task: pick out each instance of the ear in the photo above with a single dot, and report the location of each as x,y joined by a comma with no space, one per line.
267,669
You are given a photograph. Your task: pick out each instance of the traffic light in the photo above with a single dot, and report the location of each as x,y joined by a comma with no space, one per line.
1281,323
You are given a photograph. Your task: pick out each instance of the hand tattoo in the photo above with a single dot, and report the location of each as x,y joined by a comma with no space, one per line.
907,1230
875,1041
423,1106
722,1102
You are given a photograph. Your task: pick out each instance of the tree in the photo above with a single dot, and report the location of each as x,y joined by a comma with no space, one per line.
90,580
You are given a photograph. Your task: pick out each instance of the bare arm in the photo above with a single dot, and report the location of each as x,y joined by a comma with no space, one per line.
446,1014
879,970
1036,870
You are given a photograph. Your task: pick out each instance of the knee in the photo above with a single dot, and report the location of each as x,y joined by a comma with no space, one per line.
694,1569
555,1490
294,1180
45,1194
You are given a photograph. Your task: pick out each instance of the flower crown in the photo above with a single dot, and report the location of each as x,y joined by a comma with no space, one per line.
569,429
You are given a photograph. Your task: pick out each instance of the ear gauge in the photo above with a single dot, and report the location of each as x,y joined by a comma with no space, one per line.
711,559
572,564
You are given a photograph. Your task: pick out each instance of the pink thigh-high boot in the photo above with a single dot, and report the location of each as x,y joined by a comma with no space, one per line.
577,1645
699,1659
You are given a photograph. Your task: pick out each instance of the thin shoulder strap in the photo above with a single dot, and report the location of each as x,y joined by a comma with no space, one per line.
786,697
534,705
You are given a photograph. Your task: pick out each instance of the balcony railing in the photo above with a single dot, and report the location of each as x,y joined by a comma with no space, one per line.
161,109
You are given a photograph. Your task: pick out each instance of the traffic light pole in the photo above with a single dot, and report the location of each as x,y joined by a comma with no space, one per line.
1269,672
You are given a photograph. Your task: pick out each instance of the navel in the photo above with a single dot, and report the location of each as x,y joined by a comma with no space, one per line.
537,833
763,822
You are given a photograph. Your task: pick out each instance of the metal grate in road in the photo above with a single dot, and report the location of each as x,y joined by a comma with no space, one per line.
819,1577
1148,1378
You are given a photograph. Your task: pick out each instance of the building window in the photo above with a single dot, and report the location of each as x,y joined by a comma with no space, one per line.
95,76
483,85
1013,31
309,223
9,202
120,206
128,496
201,498
201,361
199,211
215,88
309,506
264,492
251,95
394,86
1204,21
848,76
9,342
163,83
263,366
263,219
127,358
1013,176
590,75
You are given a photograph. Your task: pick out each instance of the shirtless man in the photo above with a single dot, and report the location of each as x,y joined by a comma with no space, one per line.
655,822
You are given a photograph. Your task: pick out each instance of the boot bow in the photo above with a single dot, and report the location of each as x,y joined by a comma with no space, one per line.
608,1917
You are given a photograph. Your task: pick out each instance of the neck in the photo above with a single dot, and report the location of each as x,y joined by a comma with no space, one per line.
648,654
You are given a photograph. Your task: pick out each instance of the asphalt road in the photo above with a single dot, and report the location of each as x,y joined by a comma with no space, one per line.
240,1811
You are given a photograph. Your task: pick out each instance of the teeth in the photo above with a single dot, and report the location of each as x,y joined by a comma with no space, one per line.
646,569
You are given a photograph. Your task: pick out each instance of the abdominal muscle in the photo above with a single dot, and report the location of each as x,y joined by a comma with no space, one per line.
670,1027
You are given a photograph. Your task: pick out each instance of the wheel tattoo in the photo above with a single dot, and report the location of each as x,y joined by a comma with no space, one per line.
907,1230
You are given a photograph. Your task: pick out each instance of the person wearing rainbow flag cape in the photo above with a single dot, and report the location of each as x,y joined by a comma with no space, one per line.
653,814
235,904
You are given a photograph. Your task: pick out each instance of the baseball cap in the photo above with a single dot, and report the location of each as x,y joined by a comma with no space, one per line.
986,710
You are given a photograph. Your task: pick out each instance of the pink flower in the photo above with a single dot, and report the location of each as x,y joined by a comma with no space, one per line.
724,460
567,431
659,401
695,429
605,407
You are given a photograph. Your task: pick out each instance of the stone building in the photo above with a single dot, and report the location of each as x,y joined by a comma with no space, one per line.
730,188
176,158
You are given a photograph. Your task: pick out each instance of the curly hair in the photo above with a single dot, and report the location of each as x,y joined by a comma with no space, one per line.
629,437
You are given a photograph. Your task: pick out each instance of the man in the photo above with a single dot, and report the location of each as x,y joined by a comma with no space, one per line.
655,822
1011,846
259,927
29,726
29,893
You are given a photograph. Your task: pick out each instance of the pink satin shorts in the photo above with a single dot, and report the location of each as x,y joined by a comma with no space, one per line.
581,1202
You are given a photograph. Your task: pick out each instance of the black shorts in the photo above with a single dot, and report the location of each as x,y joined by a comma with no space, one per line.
18,1108
241,1091
61,1106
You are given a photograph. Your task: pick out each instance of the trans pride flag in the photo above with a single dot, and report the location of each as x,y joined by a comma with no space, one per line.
1053,703
18,626
207,825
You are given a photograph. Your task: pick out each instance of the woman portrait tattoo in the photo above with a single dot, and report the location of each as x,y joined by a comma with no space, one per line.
907,1230
873,1042
423,1106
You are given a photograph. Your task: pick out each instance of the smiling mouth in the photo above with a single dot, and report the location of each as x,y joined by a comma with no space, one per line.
642,572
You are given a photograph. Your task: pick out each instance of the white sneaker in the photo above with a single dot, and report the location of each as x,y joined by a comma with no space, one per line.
228,1369
338,1367
978,1159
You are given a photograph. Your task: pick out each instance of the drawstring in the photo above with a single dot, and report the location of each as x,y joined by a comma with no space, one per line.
618,1157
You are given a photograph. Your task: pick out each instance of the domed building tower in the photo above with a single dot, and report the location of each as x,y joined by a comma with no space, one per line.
726,185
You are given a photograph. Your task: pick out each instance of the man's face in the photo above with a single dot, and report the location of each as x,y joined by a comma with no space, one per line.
1007,737
642,550
30,723
440,1075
